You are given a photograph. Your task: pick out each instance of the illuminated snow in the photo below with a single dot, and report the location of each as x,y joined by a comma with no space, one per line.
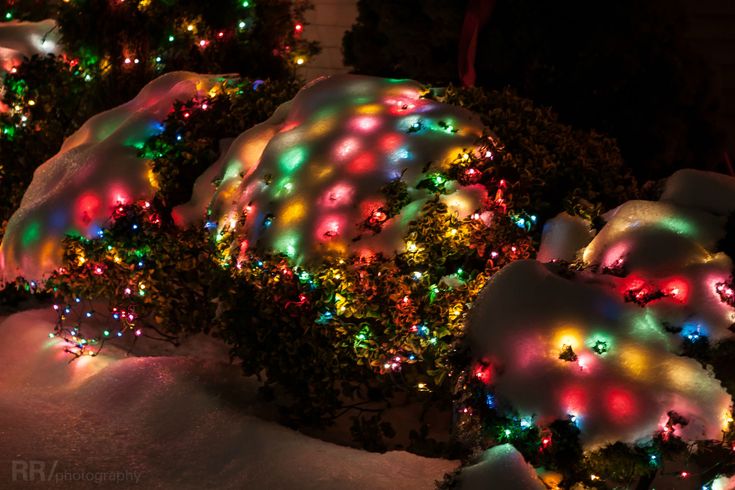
97,168
20,40
311,174
183,420
626,373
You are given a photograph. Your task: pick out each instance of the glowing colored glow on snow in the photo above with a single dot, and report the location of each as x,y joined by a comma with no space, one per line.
31,234
566,336
292,159
390,142
232,171
621,405
365,124
363,163
330,227
293,212
287,243
340,194
635,361
646,327
369,109
574,399
693,332
88,207
677,289
678,225
347,148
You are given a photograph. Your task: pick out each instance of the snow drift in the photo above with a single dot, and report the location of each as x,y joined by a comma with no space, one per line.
602,345
175,421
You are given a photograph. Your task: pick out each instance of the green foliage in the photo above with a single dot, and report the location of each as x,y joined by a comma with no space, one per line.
565,453
19,295
112,49
358,329
624,68
255,39
47,100
551,165
190,141
621,464
148,275
29,10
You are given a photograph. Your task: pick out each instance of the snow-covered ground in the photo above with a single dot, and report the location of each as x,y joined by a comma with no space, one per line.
171,421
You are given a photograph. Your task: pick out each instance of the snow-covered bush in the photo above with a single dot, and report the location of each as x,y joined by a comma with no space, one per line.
358,223
599,344
93,66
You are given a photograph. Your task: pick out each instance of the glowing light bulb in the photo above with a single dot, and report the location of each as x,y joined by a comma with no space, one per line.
300,61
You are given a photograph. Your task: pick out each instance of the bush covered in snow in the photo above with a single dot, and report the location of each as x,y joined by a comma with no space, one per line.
357,223
602,344
93,66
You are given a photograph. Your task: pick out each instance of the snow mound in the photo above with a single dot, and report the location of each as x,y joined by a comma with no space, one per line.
701,190
176,422
20,40
563,236
601,346
312,174
96,169
502,467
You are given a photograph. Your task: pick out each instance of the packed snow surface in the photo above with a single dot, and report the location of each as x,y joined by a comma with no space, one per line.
168,422
602,346
96,169
311,175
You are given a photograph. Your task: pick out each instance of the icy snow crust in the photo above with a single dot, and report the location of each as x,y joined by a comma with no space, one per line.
310,175
179,422
527,314
97,167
